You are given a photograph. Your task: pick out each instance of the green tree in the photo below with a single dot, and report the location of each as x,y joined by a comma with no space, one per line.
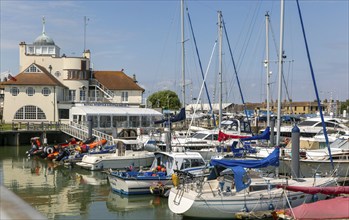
344,106
165,99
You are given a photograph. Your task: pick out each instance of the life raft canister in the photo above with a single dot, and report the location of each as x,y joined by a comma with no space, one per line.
175,180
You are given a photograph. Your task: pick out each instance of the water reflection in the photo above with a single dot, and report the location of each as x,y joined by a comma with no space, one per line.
60,192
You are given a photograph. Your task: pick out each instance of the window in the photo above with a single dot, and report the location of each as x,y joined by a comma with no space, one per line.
82,95
124,97
57,74
30,91
104,121
63,113
71,95
119,121
32,69
30,112
14,91
46,91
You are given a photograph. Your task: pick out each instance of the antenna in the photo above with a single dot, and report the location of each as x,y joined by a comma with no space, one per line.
85,24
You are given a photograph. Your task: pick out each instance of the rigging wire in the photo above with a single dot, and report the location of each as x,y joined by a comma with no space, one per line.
202,73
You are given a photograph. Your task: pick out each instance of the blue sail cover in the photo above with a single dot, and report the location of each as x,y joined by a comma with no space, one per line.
264,136
242,180
179,117
271,160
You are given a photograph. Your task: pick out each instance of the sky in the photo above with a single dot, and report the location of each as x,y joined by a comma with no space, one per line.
144,38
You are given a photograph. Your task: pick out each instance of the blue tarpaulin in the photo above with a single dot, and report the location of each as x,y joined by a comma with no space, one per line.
264,136
271,160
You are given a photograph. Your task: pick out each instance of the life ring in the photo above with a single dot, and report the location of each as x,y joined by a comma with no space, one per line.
49,150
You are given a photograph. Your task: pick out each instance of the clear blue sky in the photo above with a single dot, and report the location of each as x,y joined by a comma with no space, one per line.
143,38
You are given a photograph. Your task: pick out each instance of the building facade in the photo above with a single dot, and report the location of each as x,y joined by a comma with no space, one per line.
50,84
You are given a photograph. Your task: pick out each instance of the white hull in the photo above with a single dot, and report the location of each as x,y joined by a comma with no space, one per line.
113,161
135,186
212,204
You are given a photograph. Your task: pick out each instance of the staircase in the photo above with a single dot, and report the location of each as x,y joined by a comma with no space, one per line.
80,132
108,93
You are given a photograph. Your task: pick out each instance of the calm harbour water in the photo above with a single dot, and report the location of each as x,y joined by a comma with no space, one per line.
59,192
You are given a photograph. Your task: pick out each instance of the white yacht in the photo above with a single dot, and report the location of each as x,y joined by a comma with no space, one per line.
311,126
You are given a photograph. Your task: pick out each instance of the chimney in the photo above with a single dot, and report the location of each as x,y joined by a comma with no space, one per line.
134,78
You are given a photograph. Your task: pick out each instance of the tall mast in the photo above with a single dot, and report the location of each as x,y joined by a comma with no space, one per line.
183,54
280,72
220,34
266,62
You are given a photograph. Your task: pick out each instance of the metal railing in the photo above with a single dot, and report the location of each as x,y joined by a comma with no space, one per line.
80,132
101,87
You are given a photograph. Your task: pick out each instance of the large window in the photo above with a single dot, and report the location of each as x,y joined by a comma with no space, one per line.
119,121
14,91
104,121
30,112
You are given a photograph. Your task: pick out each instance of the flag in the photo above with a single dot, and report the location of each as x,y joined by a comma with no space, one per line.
11,77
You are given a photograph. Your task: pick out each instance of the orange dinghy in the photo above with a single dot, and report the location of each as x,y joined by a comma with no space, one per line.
86,147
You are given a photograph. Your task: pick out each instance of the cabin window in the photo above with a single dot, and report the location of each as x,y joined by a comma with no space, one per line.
14,91
185,164
197,162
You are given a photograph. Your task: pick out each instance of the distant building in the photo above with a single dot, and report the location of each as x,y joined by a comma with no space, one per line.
50,84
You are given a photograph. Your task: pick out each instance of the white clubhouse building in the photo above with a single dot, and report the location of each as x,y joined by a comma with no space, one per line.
49,85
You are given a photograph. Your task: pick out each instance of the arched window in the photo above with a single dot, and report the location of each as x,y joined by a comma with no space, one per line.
30,112
30,91
14,91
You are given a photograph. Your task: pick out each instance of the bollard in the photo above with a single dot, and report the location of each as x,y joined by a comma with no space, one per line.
295,151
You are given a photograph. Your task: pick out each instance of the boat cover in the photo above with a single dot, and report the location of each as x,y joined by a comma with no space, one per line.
223,137
336,208
271,160
241,179
179,117
264,136
328,190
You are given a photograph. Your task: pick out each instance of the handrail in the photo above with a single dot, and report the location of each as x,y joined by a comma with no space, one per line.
80,132
101,87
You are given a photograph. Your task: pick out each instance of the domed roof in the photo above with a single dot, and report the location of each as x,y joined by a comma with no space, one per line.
43,39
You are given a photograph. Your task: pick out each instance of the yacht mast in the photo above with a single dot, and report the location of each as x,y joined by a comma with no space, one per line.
183,54
278,121
266,63
220,34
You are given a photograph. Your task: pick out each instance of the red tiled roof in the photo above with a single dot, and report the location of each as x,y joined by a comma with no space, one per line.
41,78
116,80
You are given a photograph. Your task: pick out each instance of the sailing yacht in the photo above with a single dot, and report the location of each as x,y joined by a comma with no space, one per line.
230,187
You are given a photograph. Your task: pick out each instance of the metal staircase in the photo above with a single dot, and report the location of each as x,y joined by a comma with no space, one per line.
80,132
108,93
